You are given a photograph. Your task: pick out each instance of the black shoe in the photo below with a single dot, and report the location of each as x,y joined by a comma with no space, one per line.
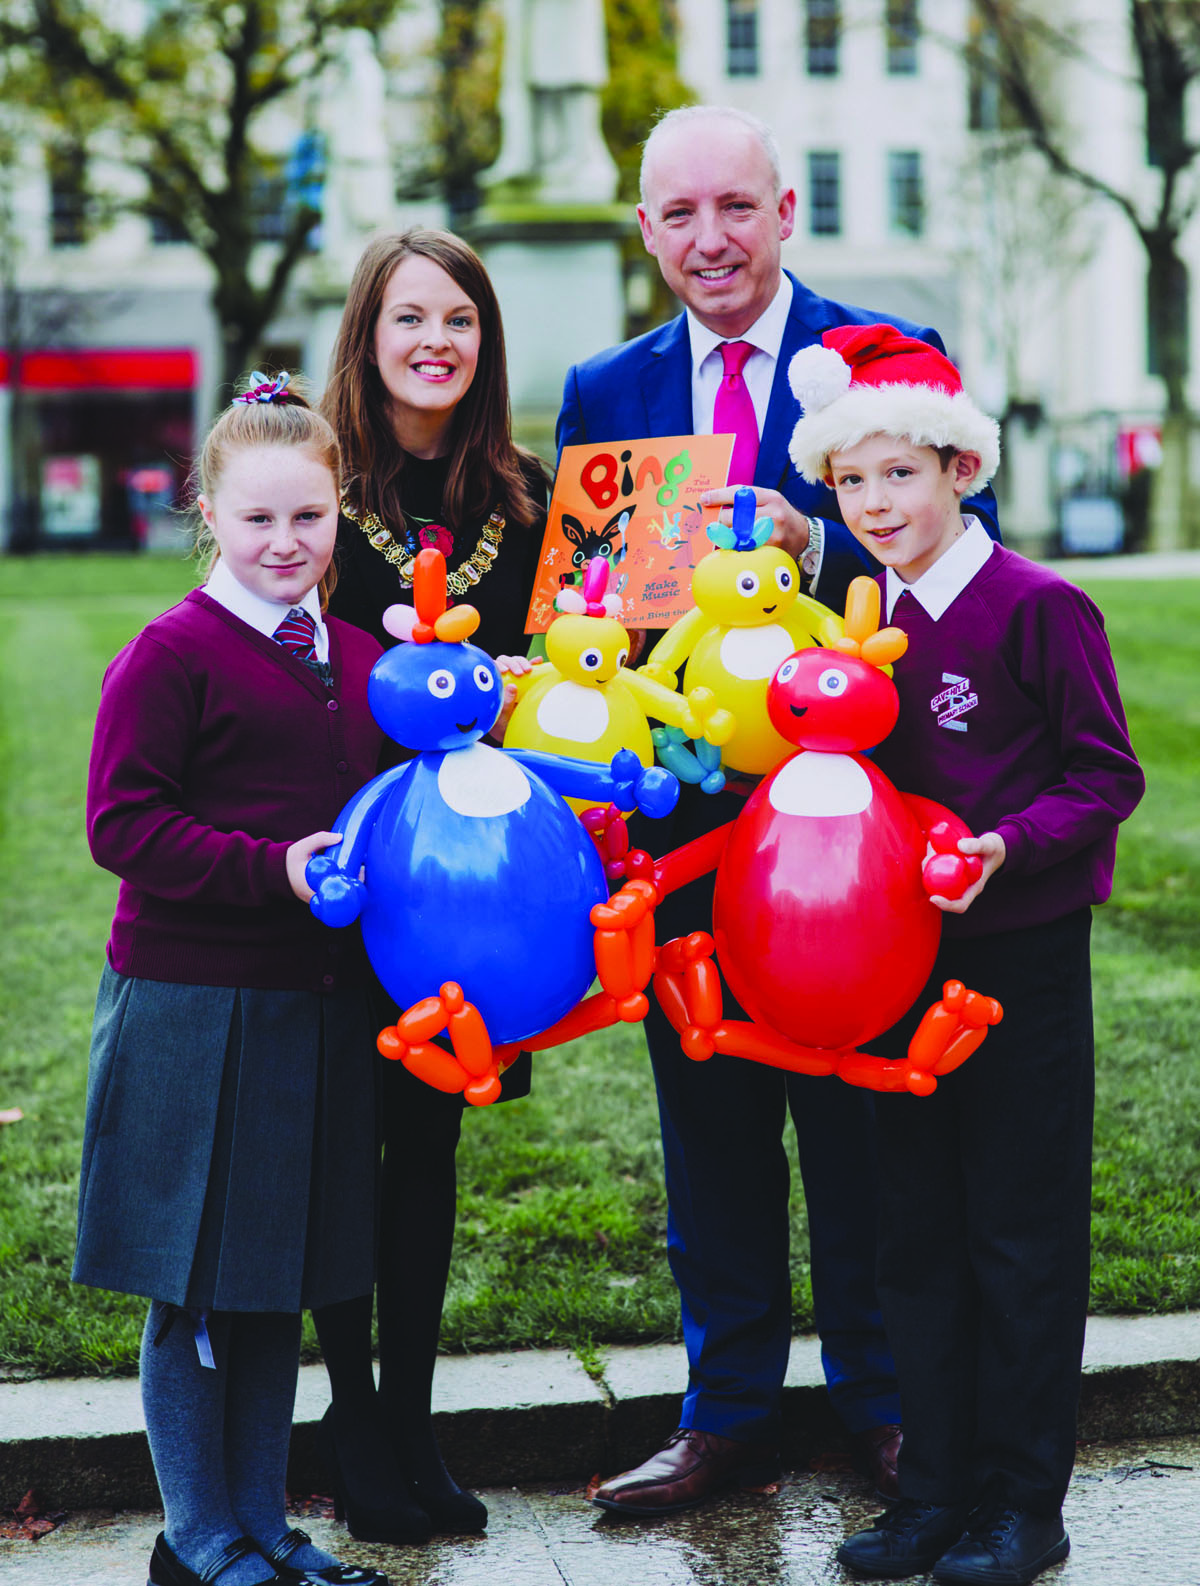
1005,1546
167,1570
399,1519
907,1539
452,1512
332,1574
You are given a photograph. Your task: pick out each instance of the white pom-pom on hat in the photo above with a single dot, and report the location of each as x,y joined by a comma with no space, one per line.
818,376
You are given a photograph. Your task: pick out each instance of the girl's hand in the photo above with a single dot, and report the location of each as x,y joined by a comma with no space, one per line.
518,665
298,856
990,848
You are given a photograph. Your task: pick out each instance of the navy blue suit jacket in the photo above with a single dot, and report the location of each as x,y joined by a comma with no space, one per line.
644,388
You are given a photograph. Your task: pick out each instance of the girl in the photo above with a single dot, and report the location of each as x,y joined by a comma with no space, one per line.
418,395
228,1162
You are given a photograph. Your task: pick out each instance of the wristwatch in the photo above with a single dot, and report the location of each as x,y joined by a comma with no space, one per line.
810,562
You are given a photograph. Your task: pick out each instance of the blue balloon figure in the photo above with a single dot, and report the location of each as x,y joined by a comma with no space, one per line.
471,876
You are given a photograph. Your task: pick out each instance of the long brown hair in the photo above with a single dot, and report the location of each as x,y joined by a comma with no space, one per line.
485,466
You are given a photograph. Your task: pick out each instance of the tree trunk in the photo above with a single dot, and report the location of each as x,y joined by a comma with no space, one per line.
1172,501
1172,509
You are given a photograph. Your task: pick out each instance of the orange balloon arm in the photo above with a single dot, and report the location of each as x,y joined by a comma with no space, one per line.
675,870
596,1012
740,1038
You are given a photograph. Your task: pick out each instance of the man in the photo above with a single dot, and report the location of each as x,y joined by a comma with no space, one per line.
714,213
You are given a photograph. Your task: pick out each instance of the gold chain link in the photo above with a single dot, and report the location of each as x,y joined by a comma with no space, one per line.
464,577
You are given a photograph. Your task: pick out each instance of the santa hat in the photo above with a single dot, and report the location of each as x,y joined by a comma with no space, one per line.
873,380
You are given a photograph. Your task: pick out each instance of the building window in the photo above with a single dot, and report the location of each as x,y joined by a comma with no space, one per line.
906,193
903,25
824,193
66,167
741,38
167,228
268,200
822,36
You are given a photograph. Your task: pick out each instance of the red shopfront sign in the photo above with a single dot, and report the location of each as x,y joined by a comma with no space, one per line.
104,369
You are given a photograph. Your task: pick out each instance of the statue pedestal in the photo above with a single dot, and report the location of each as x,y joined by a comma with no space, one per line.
558,274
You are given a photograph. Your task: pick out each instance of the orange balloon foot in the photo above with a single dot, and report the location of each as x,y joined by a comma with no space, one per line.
688,988
951,1030
473,1067
625,952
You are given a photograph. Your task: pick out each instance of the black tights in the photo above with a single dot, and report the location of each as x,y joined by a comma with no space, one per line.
421,1127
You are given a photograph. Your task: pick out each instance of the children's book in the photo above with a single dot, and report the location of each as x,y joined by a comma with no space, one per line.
638,504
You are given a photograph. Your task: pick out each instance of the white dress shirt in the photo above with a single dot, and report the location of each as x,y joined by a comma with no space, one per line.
940,586
263,615
708,367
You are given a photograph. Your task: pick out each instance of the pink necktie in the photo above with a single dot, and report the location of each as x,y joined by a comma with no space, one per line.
734,413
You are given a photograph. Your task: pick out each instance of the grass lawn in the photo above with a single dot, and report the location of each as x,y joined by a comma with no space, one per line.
562,1220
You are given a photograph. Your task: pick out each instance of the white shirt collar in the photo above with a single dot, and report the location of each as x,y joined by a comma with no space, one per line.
264,616
940,585
766,333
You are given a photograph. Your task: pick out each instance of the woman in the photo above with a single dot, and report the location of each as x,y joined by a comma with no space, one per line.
418,395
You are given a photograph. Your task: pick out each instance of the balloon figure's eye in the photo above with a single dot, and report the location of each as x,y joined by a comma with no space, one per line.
747,585
591,660
484,678
622,657
441,684
788,670
783,577
833,682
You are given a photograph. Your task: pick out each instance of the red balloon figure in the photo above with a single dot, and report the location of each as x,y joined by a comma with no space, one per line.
821,916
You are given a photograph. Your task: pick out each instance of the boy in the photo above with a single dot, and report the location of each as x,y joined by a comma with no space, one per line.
1010,715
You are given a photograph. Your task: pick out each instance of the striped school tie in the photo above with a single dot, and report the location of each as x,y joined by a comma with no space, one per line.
298,633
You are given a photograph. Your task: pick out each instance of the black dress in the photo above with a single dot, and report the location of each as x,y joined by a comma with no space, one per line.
368,583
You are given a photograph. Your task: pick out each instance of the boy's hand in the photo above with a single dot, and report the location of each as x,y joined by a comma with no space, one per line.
790,530
298,856
990,849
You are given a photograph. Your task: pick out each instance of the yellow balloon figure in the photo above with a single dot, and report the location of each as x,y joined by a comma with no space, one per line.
748,617
583,702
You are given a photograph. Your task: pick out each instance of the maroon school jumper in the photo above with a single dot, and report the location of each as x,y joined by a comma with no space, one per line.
1010,716
204,896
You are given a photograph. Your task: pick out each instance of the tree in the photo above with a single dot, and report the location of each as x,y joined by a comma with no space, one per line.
183,103
1019,52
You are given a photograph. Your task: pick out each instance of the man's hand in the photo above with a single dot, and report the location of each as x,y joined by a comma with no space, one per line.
790,531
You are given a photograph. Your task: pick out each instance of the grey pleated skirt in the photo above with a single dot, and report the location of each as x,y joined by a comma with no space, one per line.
230,1146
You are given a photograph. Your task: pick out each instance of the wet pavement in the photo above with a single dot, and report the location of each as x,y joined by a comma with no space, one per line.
1133,1512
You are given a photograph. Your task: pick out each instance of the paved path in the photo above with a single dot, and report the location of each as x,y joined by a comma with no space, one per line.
1133,1513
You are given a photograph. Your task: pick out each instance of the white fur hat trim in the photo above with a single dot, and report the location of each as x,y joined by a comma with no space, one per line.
923,415
818,376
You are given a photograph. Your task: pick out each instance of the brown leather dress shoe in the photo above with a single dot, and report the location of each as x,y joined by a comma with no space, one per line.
875,1454
689,1468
